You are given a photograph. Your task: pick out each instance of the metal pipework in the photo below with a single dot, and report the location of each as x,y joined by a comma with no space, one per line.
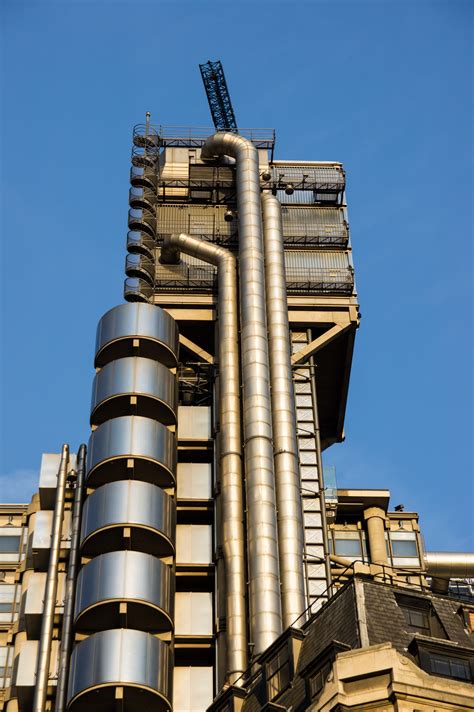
44,654
264,574
449,564
71,580
285,442
230,439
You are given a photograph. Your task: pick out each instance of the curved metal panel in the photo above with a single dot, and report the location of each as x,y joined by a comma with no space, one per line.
145,510
136,661
131,447
141,581
155,330
153,386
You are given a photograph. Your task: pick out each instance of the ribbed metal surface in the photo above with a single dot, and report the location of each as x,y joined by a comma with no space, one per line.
146,510
314,225
230,443
316,259
264,574
285,443
148,443
120,327
449,564
139,580
136,661
138,386
203,220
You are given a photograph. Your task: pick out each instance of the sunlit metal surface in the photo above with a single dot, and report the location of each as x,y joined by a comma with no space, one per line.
134,386
140,581
118,443
154,329
447,564
264,574
147,511
135,661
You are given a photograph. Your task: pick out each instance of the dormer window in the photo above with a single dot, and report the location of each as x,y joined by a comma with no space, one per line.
278,672
420,616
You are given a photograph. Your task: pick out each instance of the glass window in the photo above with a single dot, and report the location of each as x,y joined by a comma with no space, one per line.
347,544
404,548
318,680
450,667
9,544
278,673
417,619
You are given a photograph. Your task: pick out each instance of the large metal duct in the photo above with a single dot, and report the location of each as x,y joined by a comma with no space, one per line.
285,442
44,655
67,634
264,574
450,564
230,439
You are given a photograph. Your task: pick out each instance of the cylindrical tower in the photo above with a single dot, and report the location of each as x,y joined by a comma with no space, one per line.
124,608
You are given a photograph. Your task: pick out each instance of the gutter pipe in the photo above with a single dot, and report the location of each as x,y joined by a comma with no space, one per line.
264,574
285,442
71,580
233,535
44,654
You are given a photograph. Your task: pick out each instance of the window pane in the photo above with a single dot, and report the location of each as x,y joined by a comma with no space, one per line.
404,548
348,547
9,544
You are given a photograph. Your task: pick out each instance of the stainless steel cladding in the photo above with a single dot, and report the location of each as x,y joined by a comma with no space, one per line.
230,443
122,444
137,330
147,511
140,581
264,575
137,662
449,564
134,386
285,443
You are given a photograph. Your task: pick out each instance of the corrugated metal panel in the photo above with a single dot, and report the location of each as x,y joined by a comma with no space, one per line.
321,259
195,220
312,217
322,175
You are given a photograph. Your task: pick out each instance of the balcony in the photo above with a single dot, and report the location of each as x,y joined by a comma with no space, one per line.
319,281
141,219
140,243
137,290
140,581
141,267
184,277
140,197
307,182
146,511
137,330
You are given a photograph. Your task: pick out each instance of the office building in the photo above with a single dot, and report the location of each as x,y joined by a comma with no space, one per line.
194,549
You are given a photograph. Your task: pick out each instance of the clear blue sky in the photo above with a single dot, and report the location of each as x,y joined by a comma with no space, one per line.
383,86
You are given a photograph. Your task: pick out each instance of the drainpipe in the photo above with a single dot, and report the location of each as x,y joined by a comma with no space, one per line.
443,565
230,439
44,653
71,578
285,442
264,574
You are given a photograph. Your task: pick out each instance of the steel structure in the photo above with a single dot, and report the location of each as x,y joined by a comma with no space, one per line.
185,550
218,96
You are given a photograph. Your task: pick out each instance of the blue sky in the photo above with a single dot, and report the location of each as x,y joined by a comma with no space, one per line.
383,86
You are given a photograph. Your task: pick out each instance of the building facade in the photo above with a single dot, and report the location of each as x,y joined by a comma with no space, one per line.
166,564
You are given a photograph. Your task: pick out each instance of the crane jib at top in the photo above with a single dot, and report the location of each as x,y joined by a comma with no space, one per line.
218,96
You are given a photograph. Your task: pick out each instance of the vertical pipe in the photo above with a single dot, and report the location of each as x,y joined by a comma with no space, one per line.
44,653
71,577
375,518
285,441
264,570
319,464
232,511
